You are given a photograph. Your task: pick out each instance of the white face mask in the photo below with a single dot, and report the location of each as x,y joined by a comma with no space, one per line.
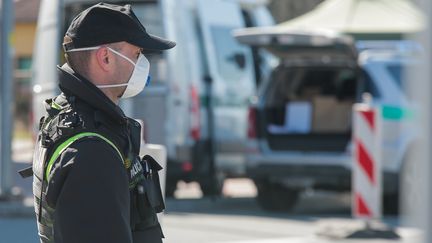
139,78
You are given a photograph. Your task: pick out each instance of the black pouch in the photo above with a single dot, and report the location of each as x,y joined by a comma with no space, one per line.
147,214
152,183
149,194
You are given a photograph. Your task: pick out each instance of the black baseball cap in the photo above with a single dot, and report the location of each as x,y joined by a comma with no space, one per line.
108,23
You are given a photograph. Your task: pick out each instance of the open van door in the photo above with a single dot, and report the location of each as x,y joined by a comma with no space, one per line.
230,68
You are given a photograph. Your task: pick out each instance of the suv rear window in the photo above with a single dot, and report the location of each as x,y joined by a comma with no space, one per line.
306,82
397,73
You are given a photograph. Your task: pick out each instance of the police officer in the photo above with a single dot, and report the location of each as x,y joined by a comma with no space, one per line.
89,183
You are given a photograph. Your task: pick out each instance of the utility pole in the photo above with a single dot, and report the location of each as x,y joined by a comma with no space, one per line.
428,162
6,25
417,179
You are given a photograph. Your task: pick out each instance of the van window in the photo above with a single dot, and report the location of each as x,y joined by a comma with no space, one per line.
227,50
397,73
150,15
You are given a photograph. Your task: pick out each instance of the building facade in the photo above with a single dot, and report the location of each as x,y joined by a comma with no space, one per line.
23,38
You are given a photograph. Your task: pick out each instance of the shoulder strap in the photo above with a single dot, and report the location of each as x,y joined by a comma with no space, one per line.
70,141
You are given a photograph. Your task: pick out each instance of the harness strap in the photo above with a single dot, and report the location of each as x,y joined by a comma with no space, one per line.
56,106
26,172
63,146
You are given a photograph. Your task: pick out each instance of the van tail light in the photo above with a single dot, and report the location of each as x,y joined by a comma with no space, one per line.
187,166
195,120
252,122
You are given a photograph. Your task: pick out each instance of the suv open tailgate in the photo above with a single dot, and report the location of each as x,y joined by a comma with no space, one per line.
292,43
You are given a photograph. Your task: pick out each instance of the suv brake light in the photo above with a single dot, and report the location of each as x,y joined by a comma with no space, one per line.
195,128
252,116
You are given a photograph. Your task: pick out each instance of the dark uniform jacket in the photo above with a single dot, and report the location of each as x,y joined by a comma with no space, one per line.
91,195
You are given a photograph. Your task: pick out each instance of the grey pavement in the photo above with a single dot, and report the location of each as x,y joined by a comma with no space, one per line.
236,218
18,230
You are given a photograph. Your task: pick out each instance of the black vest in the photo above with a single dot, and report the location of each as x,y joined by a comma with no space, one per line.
70,119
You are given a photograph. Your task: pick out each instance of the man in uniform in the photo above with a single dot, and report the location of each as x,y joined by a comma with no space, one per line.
89,184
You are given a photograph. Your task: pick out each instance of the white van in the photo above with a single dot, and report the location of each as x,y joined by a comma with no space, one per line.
207,69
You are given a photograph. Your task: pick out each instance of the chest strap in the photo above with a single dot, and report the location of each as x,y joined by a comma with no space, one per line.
63,146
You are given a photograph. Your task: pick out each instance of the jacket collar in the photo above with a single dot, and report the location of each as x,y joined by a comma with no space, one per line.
74,84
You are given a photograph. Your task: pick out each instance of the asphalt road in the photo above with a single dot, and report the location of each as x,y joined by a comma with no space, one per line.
233,218
236,218
318,217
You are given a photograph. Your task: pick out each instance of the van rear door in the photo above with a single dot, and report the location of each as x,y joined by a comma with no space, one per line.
230,67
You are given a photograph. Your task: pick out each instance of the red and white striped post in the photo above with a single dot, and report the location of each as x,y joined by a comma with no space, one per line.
366,171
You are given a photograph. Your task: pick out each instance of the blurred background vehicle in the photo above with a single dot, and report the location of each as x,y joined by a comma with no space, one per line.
302,118
384,66
197,102
300,125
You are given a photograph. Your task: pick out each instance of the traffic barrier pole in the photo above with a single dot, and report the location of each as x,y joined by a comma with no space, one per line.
367,173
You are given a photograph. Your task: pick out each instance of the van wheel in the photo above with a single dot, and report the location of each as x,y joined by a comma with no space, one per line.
212,186
170,188
276,197
391,204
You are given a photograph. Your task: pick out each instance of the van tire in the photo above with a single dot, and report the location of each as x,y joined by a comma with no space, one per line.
275,197
408,176
170,188
213,185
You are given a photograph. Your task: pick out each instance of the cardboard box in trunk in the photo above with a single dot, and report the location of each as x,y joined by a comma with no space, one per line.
331,115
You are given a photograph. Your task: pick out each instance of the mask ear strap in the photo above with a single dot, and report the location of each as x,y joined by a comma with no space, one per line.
84,49
125,57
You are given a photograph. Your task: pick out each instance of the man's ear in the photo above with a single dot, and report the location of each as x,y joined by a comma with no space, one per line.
103,58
